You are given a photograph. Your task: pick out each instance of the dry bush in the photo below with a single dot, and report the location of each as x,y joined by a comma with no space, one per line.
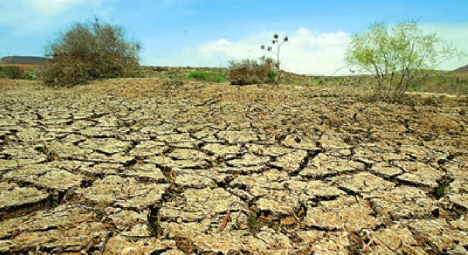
90,51
250,71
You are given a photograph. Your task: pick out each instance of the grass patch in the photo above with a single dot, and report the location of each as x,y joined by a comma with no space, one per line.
206,76
12,72
450,83
253,222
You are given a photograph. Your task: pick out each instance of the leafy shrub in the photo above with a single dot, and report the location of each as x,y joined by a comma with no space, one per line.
206,76
11,72
400,57
250,71
90,51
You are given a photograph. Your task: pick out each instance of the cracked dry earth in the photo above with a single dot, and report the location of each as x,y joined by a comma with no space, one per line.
144,166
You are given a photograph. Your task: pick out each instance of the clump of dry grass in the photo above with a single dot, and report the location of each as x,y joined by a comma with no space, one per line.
250,71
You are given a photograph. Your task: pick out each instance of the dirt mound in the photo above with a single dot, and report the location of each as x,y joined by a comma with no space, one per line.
463,69
140,166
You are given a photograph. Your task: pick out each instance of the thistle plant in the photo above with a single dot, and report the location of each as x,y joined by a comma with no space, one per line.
278,43
275,49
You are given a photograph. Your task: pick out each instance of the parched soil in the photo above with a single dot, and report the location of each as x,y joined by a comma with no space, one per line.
148,166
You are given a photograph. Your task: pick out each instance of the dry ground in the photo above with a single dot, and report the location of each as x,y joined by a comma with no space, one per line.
151,166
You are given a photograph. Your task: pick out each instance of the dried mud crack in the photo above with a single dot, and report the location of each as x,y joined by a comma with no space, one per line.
135,166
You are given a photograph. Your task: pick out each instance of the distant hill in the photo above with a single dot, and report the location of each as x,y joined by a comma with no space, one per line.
461,69
22,60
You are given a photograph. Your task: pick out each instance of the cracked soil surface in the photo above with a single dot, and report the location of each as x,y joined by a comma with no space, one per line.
147,166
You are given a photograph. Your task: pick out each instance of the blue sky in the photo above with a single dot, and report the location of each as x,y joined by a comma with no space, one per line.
212,32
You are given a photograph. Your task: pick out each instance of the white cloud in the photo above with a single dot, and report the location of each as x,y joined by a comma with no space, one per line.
26,17
306,52
457,35
53,7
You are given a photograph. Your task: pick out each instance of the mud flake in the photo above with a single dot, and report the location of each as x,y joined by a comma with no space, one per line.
403,202
221,150
396,238
124,192
234,241
268,150
106,145
418,173
348,213
13,197
320,242
144,172
290,162
439,235
235,137
297,142
121,245
195,181
63,229
187,154
200,205
323,166
460,200
7,164
330,141
313,190
248,160
279,203
385,169
148,148
58,180
365,184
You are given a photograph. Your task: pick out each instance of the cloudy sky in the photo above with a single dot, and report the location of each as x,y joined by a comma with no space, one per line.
212,32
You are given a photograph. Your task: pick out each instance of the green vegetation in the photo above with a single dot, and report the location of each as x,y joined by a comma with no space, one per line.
252,222
400,57
90,51
12,72
250,71
207,76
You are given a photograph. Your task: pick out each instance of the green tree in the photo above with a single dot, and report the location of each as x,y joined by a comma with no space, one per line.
89,51
400,57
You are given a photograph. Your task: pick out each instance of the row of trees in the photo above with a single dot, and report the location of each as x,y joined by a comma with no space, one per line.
399,57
